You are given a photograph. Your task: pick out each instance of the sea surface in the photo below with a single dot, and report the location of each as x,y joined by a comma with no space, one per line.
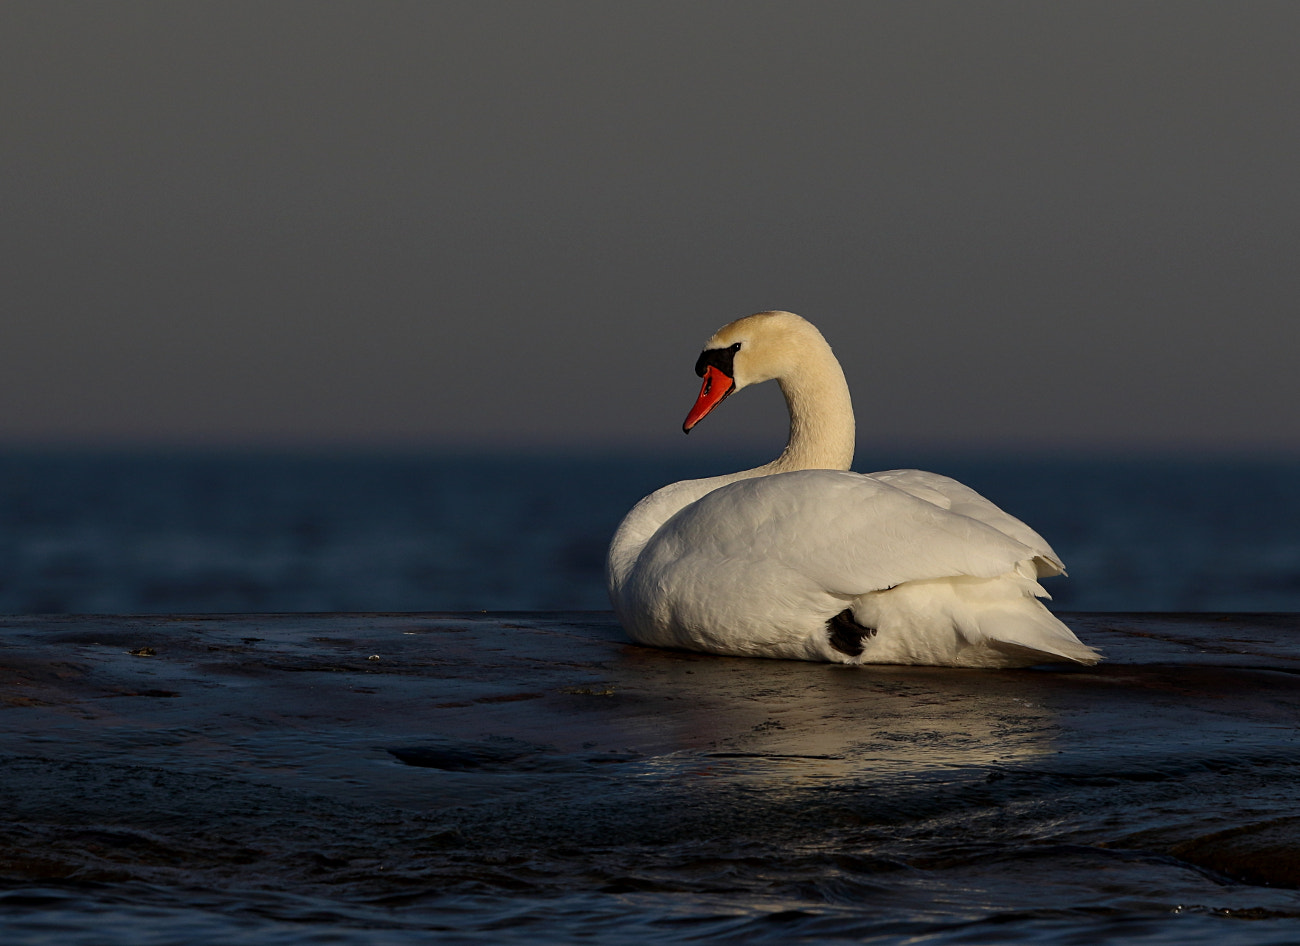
205,532
533,778
373,699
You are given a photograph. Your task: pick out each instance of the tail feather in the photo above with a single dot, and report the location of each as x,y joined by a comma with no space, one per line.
1024,627
967,622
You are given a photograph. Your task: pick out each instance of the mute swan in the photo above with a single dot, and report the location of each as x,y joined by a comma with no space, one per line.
802,559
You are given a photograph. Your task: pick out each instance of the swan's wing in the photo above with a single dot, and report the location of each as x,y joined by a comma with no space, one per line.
947,493
847,533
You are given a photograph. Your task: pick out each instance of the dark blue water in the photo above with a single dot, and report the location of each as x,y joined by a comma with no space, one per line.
241,784
205,532
532,778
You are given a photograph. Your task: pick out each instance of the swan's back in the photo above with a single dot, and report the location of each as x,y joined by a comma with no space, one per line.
758,567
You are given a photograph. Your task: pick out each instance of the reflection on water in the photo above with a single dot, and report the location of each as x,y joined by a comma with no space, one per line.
831,725
191,533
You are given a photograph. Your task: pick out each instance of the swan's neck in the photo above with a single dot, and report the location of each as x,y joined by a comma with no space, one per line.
821,419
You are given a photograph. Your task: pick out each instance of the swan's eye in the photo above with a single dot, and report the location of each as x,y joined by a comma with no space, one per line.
736,347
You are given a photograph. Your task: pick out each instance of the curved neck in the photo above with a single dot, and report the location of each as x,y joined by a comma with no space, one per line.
821,419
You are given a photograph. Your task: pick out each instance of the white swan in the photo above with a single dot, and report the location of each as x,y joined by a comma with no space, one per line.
802,559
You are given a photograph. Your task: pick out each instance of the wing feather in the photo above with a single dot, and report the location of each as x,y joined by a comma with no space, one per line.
846,532
950,494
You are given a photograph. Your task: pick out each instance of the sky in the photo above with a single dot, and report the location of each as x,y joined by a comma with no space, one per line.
1022,226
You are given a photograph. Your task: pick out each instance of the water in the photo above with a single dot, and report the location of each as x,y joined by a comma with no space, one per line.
525,778
207,532
533,778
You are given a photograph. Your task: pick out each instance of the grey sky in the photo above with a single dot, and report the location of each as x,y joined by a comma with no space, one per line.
1020,224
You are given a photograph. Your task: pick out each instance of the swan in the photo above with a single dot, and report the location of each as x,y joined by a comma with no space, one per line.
802,559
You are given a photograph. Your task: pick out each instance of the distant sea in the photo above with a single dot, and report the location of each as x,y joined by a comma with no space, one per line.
202,532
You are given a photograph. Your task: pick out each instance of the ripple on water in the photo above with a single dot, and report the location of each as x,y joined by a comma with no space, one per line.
290,793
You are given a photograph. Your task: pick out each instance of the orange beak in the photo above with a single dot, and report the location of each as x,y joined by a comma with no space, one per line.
717,385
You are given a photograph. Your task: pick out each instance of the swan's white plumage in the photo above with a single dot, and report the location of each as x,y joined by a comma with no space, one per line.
755,563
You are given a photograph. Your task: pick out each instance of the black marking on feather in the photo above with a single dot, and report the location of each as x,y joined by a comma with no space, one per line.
846,635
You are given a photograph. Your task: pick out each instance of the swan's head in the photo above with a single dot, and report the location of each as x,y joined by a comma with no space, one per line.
751,350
